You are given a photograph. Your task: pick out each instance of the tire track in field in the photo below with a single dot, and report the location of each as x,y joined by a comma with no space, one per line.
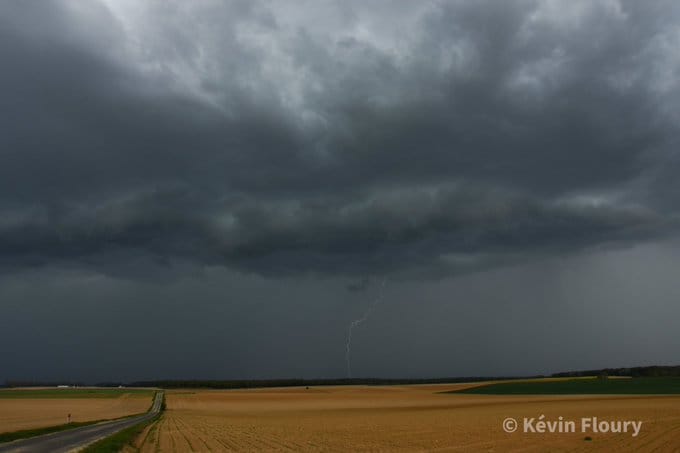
227,447
170,436
155,431
206,428
258,439
181,433
197,433
160,437
142,438
287,445
272,442
178,436
663,438
166,428
225,441
148,432
245,441
645,442
275,442
185,428
253,441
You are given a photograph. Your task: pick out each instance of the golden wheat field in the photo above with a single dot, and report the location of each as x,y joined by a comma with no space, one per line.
397,419
28,413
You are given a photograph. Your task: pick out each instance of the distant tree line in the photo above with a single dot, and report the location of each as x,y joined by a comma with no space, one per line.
35,383
258,383
640,371
645,371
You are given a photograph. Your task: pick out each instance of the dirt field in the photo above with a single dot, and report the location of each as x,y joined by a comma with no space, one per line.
399,418
27,413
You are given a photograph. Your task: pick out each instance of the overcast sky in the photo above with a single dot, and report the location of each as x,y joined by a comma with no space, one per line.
217,189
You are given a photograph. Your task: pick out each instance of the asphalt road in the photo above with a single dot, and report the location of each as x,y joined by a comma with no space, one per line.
77,438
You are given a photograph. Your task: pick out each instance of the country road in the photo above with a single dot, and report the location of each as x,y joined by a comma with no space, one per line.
77,438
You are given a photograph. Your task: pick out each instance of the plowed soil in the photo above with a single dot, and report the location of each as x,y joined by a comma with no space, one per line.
398,418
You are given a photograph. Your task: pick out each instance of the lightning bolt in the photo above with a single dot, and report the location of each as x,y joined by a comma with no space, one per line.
359,321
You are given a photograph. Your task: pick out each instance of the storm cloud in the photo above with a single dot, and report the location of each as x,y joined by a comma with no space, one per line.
341,138
215,189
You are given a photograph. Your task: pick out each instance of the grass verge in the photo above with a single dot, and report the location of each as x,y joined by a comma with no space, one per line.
26,433
594,386
118,441
125,438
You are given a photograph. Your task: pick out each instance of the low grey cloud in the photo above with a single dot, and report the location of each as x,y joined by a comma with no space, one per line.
235,182
420,139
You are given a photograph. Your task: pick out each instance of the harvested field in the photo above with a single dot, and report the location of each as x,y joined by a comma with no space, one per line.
398,418
37,412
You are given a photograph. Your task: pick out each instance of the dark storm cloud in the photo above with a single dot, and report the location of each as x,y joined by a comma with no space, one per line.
423,138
